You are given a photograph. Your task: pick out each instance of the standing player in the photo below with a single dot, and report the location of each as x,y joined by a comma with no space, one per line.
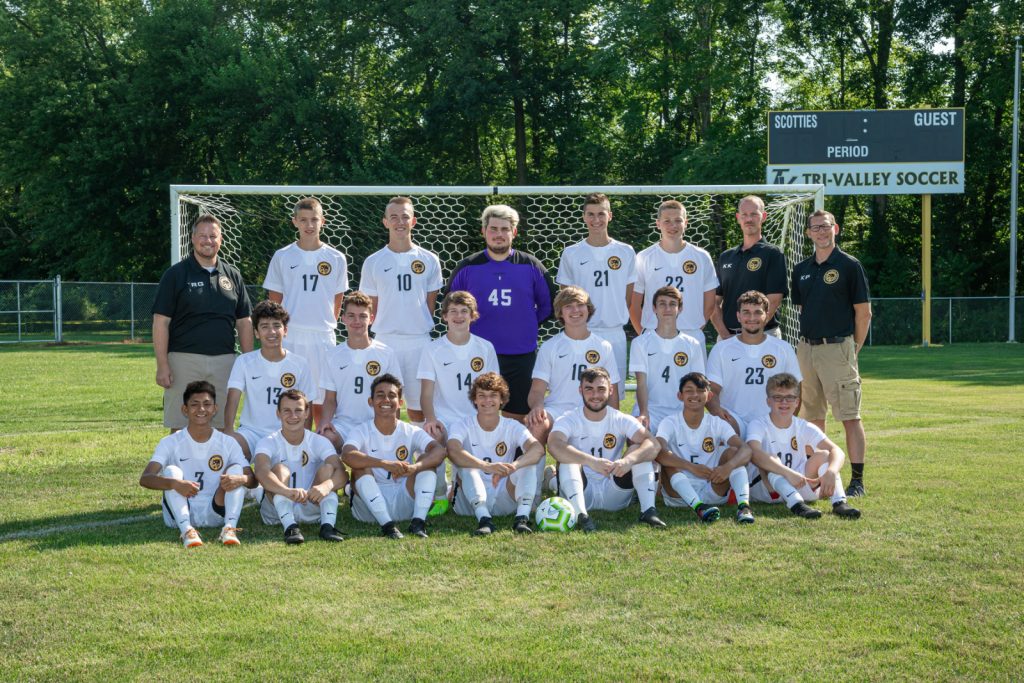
201,471
509,285
660,357
593,471
738,367
802,463
752,265
384,451
684,265
262,375
299,471
350,369
310,278
489,444
402,281
702,457
606,268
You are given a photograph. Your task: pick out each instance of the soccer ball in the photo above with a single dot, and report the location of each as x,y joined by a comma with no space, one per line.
555,514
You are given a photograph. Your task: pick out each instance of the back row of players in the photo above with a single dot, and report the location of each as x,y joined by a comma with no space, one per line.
441,382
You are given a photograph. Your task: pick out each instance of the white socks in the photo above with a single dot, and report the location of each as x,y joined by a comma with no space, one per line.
369,491
423,487
524,482
644,484
570,479
329,509
476,493
684,489
739,480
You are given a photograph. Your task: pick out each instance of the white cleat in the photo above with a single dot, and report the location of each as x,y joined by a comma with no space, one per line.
229,536
190,539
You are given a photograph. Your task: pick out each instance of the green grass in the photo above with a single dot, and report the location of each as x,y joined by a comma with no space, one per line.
927,585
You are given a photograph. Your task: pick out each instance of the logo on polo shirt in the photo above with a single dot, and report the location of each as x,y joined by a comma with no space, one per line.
592,356
681,359
792,443
418,267
614,262
831,276
689,267
324,268
225,283
708,445
402,453
305,458
287,380
754,264
373,368
501,449
609,441
769,361
216,463
477,364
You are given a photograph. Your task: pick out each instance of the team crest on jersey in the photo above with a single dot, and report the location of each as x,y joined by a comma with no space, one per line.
831,276
501,449
681,359
708,444
689,267
609,441
225,283
792,443
614,262
477,364
305,458
287,380
769,361
324,268
216,463
754,264
373,368
402,453
418,267
592,356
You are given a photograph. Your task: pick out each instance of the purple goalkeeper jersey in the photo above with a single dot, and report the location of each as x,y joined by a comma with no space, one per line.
514,297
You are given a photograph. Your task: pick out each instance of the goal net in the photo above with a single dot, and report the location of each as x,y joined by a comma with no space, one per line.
256,221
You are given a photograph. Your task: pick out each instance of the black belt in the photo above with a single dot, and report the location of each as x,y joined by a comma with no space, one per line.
825,340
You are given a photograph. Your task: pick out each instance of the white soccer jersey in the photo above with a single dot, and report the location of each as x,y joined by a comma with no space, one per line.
701,446
401,282
302,460
743,369
604,272
691,271
665,362
407,443
202,463
262,382
605,438
309,281
560,361
498,445
453,368
349,373
788,444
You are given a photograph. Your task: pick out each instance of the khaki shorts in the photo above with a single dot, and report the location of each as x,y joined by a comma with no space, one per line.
830,379
191,367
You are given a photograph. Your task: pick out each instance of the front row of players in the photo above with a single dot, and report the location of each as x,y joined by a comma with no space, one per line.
604,457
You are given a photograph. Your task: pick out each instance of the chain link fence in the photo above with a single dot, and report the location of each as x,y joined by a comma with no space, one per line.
52,310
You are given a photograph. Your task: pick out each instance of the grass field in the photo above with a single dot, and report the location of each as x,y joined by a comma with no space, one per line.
927,585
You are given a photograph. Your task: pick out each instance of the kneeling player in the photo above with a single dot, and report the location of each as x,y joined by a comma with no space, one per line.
593,471
487,443
299,471
801,463
702,457
201,471
382,452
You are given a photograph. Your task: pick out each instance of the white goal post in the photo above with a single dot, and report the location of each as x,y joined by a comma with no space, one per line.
256,219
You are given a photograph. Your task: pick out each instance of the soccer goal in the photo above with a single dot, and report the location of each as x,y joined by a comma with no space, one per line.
256,219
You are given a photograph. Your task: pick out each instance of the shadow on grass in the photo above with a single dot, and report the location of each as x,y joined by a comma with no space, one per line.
996,364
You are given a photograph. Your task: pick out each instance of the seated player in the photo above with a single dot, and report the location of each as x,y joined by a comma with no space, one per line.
299,471
350,369
659,358
201,471
739,366
800,462
593,471
489,444
262,375
702,457
383,452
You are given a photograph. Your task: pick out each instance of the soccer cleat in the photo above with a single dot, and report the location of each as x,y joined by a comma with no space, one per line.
550,480
843,510
390,530
484,527
744,515
650,516
586,523
439,507
856,488
329,533
292,535
190,539
229,536
521,525
708,513
418,527
804,510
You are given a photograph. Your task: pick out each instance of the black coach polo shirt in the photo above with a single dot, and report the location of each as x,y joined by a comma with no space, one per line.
762,268
827,292
202,305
